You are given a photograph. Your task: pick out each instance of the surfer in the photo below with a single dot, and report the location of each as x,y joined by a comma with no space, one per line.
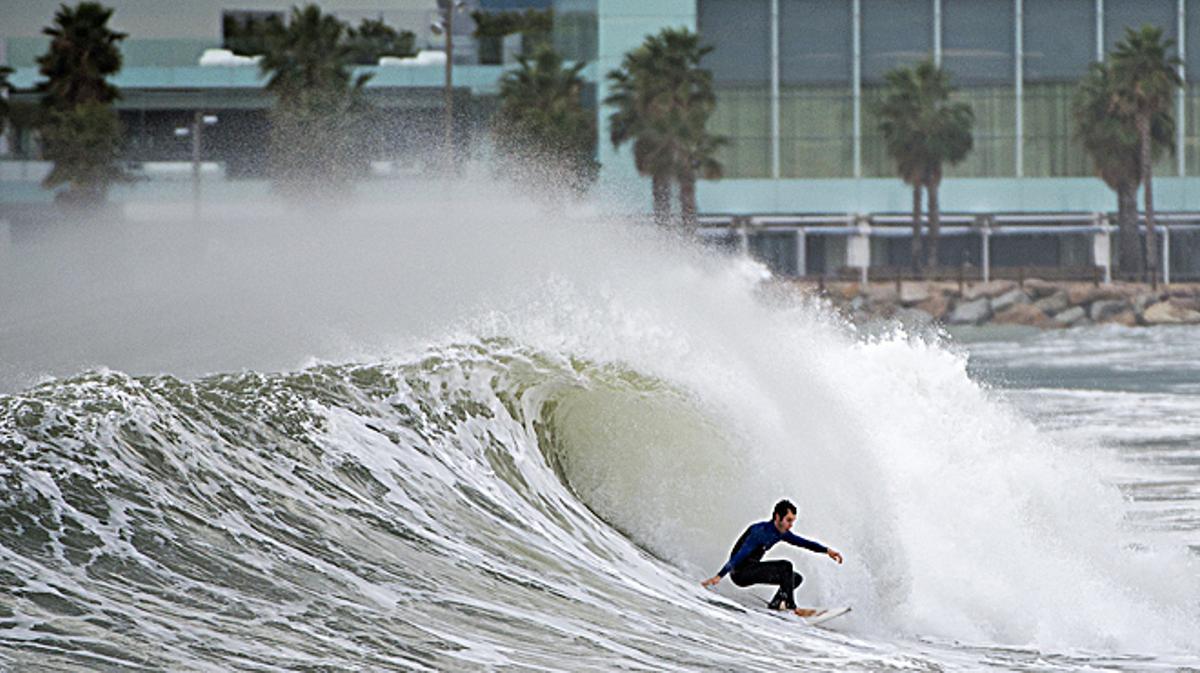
746,567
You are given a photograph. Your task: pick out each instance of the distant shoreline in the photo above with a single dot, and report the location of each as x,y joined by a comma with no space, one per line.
1033,302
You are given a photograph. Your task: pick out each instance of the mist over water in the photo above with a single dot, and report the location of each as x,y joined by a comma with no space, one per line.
511,424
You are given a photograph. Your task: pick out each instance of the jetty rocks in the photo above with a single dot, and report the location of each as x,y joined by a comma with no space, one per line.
1033,302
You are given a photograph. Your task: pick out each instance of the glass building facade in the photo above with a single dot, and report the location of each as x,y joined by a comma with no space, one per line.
798,80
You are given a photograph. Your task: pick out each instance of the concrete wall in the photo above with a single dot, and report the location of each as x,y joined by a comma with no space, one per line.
983,195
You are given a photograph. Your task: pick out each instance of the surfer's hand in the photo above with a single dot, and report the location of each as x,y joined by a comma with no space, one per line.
834,555
712,581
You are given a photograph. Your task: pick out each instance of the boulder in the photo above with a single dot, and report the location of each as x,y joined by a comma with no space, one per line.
1010,298
1070,316
913,317
1164,313
1103,308
1127,318
971,312
937,306
1145,299
1038,288
881,294
1022,314
1082,293
1054,303
846,291
989,289
913,293
1188,303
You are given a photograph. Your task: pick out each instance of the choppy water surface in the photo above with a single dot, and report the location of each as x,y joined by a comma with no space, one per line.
1133,394
544,485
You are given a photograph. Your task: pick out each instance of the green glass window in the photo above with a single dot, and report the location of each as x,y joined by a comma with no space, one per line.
816,128
741,66
743,116
816,105
995,132
576,31
1050,146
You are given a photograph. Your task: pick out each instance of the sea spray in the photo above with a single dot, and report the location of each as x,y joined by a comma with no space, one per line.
511,436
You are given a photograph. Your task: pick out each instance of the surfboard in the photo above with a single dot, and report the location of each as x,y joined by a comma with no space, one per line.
815,616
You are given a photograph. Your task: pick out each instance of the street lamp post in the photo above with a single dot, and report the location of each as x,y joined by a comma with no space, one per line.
446,26
196,131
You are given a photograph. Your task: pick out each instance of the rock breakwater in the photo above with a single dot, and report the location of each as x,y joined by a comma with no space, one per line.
1034,302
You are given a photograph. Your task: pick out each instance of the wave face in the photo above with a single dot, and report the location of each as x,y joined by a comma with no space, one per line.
542,478
488,504
387,515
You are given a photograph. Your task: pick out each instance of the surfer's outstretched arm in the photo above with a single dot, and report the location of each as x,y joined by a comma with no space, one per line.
793,539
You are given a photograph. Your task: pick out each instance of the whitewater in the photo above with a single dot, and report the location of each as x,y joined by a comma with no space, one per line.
457,430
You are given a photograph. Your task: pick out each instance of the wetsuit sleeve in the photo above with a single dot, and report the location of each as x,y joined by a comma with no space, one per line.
793,539
742,553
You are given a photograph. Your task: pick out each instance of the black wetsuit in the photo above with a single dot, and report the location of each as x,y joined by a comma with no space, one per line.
747,567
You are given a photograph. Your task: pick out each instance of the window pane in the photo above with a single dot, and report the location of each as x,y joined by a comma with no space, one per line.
1191,136
816,127
1122,14
575,29
995,133
1050,57
739,32
815,42
743,115
1050,146
875,160
1192,30
894,32
978,41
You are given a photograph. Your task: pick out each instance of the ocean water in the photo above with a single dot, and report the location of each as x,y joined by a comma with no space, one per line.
444,446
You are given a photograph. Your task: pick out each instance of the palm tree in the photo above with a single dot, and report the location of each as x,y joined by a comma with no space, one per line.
5,71
924,130
316,139
632,121
542,120
1111,140
1147,78
373,38
698,160
80,131
83,53
663,101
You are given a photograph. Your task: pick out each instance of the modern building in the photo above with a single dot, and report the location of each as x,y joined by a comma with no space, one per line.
808,185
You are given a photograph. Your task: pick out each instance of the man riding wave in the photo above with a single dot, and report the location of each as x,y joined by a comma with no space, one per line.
746,567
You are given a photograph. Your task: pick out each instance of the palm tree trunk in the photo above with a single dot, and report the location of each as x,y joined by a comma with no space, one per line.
660,187
1129,249
687,202
935,224
1143,124
916,235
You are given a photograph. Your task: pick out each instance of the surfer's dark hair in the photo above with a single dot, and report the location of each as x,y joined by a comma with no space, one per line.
783,507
